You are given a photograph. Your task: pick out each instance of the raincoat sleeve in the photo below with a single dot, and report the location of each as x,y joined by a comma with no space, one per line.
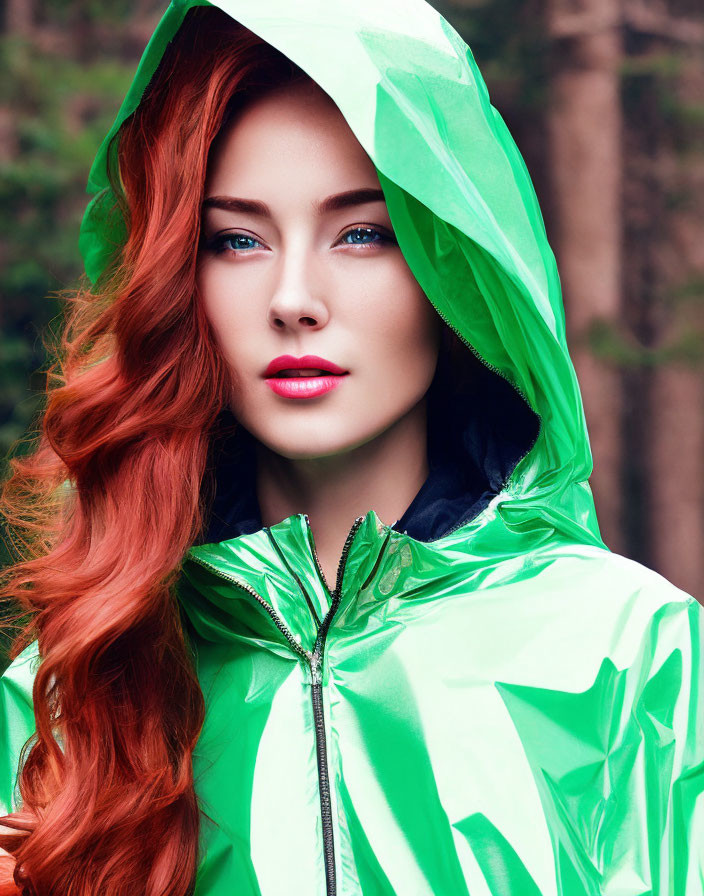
648,832
670,713
16,721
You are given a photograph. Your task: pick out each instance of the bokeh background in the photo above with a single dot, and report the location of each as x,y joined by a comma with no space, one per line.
605,99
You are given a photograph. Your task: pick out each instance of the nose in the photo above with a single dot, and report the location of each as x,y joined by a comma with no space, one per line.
296,302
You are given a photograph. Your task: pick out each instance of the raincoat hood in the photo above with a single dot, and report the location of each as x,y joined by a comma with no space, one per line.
485,700
464,212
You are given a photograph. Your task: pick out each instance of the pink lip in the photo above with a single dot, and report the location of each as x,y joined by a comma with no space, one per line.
288,362
302,386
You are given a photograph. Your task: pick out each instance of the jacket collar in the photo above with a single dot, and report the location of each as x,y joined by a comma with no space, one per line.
275,567
475,439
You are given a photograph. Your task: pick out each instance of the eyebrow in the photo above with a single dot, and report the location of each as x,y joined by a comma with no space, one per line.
331,204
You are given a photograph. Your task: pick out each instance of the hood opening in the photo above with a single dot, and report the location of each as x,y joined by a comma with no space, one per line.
478,429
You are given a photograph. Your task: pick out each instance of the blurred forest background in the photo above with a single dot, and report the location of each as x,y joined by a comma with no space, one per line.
605,99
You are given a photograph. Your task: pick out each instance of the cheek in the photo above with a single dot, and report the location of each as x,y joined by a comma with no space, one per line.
221,308
403,327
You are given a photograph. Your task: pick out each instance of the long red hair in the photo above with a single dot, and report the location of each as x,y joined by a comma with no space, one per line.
112,495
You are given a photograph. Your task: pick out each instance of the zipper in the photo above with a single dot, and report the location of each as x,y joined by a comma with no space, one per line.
314,660
278,622
319,720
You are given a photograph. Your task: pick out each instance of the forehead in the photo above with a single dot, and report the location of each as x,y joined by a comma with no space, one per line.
293,137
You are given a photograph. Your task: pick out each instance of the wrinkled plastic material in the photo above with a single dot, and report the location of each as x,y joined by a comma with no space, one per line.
510,710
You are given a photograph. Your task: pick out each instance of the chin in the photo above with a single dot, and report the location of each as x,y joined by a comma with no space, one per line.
308,448
315,441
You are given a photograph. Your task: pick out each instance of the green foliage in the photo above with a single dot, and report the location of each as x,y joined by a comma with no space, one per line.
511,45
655,78
612,343
66,12
665,64
60,111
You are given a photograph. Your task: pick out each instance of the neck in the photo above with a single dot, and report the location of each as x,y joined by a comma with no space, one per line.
383,474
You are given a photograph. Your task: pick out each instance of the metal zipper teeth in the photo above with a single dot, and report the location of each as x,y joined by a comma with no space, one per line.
336,595
516,388
278,622
323,779
319,720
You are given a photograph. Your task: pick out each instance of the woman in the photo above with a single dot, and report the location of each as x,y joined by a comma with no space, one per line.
318,599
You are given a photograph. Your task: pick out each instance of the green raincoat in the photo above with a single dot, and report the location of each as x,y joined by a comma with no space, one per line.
486,701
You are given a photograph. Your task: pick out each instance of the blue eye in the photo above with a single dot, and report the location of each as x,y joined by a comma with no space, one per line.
235,242
364,232
240,239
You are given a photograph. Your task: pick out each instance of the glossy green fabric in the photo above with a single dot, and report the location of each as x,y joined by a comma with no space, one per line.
510,710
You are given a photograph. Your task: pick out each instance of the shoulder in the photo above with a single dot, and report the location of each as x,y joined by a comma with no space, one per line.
20,673
598,563
580,606
626,592
611,584
16,719
17,681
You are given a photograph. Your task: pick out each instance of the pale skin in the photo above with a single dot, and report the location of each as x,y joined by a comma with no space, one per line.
301,280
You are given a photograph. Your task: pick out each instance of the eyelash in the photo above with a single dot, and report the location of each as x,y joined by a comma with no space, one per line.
217,243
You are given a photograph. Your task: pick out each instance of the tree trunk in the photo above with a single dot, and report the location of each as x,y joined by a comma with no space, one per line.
19,17
678,485
584,130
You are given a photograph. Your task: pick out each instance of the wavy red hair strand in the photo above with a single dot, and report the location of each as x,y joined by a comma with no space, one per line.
104,507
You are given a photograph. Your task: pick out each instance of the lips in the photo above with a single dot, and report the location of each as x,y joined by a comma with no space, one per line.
306,377
287,366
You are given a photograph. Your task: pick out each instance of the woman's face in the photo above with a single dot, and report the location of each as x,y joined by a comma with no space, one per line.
299,258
